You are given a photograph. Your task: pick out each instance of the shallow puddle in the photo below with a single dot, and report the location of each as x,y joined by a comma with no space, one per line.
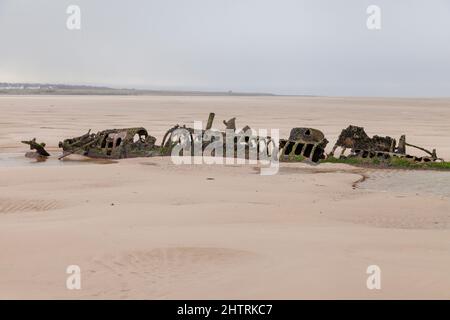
19,160
409,181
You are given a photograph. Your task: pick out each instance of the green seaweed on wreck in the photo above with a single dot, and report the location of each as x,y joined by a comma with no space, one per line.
295,158
393,162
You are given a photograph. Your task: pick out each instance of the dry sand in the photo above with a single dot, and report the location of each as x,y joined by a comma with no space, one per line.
146,228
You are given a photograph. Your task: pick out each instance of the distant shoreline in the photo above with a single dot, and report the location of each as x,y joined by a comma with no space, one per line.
62,89
37,89
118,92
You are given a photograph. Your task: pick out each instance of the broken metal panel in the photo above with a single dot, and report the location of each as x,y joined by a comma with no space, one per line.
363,146
307,135
113,143
244,140
386,144
401,148
354,137
304,142
230,124
210,121
365,154
39,147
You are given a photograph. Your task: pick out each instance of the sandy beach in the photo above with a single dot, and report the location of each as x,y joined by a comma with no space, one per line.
146,228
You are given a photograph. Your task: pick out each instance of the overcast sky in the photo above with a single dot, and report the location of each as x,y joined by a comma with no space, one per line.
318,47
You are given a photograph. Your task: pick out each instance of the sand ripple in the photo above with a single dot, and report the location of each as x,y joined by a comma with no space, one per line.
21,205
156,270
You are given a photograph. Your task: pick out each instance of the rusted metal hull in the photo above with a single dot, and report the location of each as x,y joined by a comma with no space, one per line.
306,143
112,144
383,148
303,143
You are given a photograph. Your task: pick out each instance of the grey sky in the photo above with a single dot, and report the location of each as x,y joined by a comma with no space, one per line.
320,47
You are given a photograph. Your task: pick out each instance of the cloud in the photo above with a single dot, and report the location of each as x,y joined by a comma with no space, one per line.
288,46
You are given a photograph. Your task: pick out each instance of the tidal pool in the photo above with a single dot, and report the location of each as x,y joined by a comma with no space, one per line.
19,160
409,181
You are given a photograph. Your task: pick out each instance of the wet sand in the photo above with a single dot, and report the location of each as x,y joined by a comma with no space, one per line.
146,228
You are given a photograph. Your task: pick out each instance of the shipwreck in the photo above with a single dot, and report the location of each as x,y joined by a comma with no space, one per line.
302,143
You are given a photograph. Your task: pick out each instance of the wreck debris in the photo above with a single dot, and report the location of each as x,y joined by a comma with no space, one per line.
113,144
39,147
188,137
401,148
304,143
431,153
362,146
230,124
210,121
355,138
